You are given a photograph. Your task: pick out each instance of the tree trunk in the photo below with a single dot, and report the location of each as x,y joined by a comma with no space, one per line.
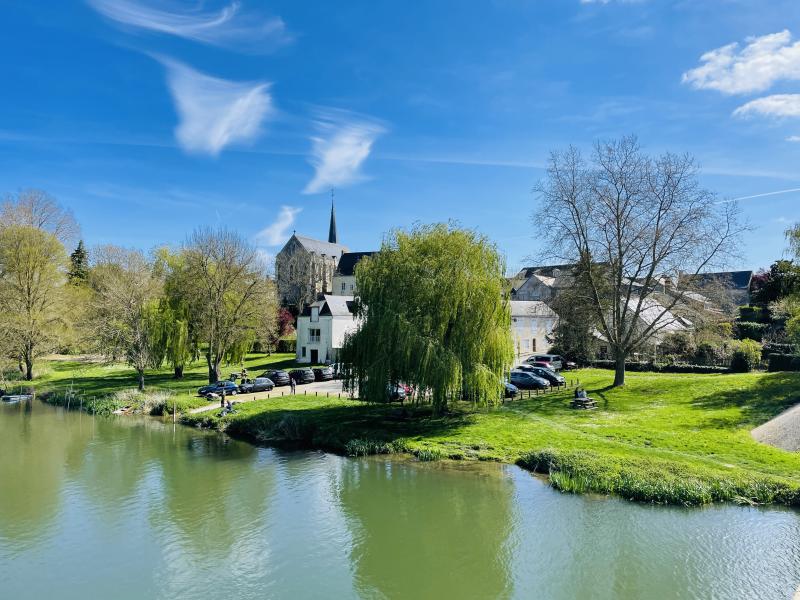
179,372
28,369
619,370
140,375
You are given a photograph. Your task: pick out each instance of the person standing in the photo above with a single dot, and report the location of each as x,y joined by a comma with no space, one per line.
222,398
293,385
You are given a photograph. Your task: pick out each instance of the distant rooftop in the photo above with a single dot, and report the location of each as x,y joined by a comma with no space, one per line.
348,261
733,279
320,247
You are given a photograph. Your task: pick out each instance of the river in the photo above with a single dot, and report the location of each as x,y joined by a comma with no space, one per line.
94,507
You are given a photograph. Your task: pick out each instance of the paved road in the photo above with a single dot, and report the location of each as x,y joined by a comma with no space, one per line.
320,387
782,431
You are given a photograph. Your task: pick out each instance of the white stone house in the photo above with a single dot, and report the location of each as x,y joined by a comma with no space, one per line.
344,279
532,321
322,327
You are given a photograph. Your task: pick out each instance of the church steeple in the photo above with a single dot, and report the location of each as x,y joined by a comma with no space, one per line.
332,231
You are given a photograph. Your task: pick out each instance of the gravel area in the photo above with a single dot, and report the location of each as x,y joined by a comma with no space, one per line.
782,432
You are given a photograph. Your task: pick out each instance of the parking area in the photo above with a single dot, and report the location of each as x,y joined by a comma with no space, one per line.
333,387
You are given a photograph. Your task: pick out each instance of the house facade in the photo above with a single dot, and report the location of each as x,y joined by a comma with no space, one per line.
322,327
344,278
532,322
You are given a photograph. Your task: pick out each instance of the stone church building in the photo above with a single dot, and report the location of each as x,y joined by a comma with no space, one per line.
304,267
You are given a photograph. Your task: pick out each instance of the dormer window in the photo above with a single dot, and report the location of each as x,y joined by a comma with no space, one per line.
314,314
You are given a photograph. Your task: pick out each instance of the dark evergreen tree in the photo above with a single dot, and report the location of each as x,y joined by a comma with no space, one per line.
79,265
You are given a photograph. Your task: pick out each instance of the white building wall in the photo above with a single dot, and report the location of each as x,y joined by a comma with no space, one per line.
332,331
349,282
530,335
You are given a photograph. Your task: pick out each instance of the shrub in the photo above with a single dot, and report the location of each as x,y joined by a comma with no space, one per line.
753,314
746,356
747,330
784,362
709,354
776,348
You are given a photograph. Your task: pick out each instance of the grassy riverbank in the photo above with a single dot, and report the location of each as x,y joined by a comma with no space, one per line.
671,438
105,387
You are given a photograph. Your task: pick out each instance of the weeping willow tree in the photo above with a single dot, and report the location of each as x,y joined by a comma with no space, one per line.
432,315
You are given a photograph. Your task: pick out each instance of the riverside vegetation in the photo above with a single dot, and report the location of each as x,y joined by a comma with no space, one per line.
663,437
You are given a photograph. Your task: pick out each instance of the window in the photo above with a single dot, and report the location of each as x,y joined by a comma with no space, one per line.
313,336
533,341
351,287
303,352
344,286
291,271
314,314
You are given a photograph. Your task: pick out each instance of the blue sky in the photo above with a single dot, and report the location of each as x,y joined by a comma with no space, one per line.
149,118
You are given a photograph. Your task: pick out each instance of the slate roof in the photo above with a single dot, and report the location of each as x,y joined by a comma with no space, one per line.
347,263
546,270
530,308
334,306
320,247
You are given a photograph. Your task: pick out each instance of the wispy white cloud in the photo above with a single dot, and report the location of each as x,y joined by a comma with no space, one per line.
213,112
277,232
777,105
793,138
764,194
343,143
228,27
756,67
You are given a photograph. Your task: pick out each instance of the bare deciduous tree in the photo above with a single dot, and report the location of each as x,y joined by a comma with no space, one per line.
231,299
638,224
36,208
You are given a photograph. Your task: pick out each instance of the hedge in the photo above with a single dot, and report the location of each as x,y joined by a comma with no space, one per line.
784,362
776,348
747,330
754,314
287,345
659,368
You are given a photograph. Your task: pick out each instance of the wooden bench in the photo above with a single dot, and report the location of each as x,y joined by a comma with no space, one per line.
584,403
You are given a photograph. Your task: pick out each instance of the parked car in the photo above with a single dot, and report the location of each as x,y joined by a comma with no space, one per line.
554,361
277,377
259,384
323,373
569,365
395,393
548,374
511,390
528,381
216,388
302,375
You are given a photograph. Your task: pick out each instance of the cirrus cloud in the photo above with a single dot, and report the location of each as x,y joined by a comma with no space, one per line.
764,61
227,27
213,112
277,232
344,142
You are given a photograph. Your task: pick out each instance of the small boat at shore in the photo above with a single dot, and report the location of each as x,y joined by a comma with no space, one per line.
14,398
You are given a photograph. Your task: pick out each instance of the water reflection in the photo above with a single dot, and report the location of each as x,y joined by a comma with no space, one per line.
134,508
422,531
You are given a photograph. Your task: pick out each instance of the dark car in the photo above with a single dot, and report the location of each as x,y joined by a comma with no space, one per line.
216,388
323,373
528,381
259,384
304,375
510,390
395,393
548,374
277,377
554,361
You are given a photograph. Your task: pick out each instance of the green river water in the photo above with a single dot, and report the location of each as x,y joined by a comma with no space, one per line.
118,508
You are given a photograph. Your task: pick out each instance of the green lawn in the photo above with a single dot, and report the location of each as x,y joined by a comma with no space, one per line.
94,382
672,438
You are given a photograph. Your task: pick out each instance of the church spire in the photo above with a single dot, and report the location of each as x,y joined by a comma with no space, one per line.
332,230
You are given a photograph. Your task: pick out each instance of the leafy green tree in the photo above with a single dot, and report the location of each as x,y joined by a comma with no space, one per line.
78,265
32,312
432,315
124,320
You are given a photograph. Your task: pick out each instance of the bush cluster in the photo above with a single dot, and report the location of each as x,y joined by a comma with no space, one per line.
287,345
784,362
660,368
746,356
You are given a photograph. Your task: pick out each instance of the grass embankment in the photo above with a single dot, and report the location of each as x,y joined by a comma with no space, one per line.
102,388
669,438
